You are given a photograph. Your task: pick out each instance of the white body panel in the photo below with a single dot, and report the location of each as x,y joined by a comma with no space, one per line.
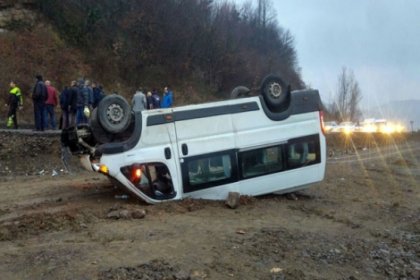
205,135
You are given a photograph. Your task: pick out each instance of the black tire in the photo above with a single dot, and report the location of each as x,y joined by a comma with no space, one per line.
114,114
99,133
240,92
275,92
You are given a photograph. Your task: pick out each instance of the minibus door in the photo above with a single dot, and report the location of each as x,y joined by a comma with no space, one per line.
206,148
160,159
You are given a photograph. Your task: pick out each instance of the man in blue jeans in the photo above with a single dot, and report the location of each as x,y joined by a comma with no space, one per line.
50,104
39,96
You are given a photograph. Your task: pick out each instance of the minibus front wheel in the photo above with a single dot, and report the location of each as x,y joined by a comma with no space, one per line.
114,113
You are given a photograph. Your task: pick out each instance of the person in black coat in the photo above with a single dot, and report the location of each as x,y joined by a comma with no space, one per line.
64,104
72,103
98,94
39,95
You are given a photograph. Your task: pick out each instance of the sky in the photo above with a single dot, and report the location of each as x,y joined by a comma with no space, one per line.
379,40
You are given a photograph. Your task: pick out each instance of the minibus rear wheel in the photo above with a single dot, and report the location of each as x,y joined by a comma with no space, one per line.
240,92
114,113
274,91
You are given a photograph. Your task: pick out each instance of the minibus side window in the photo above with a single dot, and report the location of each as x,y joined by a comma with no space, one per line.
209,170
297,152
303,151
261,161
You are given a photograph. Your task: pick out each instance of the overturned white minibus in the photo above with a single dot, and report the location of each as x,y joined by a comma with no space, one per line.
270,143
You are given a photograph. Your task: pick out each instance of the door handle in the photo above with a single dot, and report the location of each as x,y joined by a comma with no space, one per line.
168,154
184,149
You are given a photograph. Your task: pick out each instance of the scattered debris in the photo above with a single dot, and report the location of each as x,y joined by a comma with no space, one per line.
138,214
276,270
233,200
113,215
126,214
122,196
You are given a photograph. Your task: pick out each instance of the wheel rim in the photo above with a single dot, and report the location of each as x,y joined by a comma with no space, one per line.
275,90
115,113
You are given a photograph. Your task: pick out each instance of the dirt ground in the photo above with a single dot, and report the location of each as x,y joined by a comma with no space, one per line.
361,222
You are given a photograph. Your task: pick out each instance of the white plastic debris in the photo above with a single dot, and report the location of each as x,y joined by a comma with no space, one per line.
276,270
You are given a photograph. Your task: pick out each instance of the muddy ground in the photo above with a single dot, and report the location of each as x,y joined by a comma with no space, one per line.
361,222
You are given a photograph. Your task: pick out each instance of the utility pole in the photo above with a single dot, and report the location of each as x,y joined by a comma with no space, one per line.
412,126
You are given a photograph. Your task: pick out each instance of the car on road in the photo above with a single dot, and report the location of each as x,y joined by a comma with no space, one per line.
347,127
331,127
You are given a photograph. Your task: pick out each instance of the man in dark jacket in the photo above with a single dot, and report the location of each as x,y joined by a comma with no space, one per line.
98,94
82,102
72,102
155,99
64,104
39,96
88,94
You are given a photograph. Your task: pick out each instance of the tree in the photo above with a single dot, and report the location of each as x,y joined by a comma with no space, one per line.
214,43
355,98
265,13
348,97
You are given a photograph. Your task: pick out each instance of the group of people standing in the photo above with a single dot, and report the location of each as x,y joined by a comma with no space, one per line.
152,99
45,99
76,102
